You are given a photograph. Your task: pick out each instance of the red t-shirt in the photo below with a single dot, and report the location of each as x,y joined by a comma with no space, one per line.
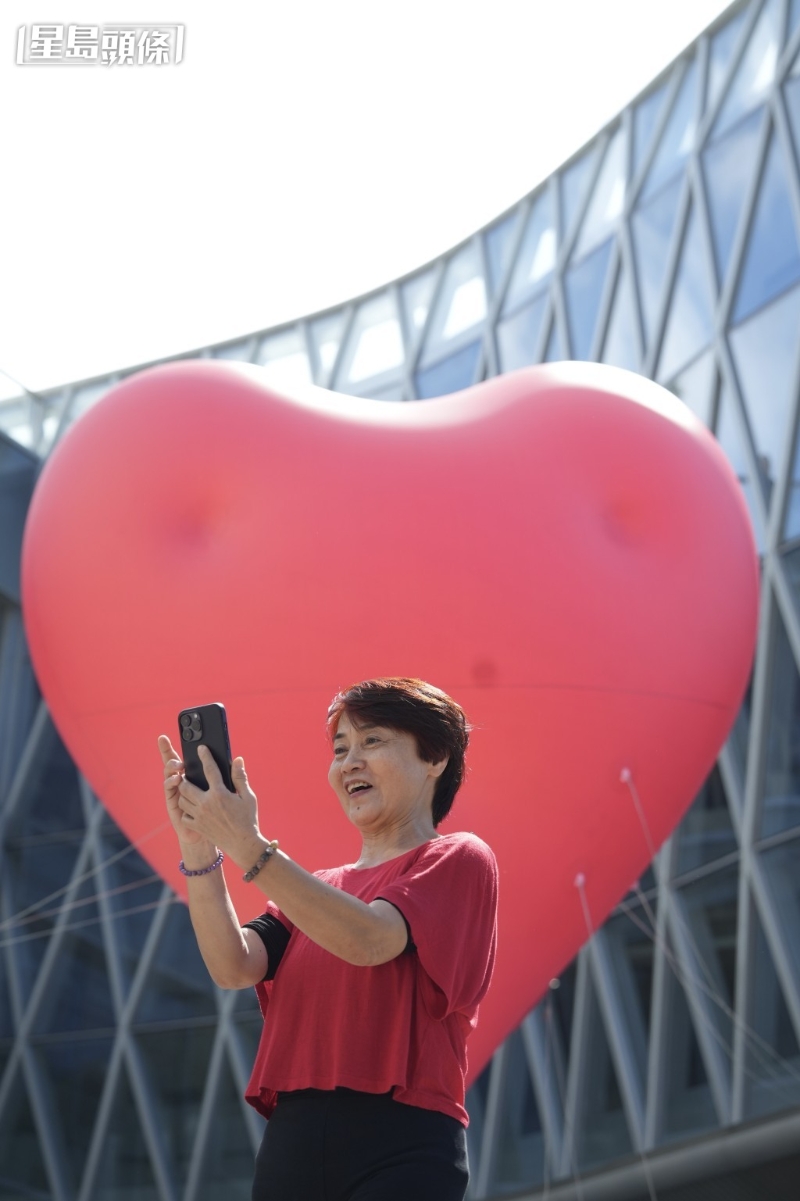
404,1024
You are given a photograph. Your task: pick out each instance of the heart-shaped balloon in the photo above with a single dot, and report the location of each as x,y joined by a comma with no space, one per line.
564,549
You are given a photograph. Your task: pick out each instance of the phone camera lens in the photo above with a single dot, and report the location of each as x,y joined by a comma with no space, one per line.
196,723
187,734
186,719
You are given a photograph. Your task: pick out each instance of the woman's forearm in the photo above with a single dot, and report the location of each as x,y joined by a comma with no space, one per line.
232,961
361,934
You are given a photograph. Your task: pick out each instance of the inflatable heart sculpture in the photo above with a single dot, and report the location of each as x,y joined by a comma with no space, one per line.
564,549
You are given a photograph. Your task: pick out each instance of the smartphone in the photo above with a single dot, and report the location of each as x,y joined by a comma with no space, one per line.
205,725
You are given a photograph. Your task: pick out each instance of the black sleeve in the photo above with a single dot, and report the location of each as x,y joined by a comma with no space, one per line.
275,938
409,947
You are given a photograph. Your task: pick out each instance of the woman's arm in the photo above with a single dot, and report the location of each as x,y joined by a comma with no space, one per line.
235,958
361,934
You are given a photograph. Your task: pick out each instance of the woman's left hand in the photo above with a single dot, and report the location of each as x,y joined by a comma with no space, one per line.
228,819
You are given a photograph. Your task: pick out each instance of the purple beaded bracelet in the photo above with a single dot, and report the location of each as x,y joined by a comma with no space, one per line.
202,871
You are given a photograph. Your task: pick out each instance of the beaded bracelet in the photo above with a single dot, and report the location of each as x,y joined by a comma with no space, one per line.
201,871
267,853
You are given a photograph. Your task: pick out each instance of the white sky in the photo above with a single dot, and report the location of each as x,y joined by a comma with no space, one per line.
304,152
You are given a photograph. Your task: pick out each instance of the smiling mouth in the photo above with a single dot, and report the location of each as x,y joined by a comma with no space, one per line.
358,789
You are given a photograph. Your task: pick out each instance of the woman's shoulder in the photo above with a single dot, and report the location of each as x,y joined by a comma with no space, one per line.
460,845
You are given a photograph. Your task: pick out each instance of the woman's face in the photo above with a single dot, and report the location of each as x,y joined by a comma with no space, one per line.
379,777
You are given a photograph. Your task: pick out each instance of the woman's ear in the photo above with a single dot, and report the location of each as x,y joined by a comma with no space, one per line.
438,768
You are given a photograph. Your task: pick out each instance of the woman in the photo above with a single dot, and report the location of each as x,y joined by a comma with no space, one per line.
369,975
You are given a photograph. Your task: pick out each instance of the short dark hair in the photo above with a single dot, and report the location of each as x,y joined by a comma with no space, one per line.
438,724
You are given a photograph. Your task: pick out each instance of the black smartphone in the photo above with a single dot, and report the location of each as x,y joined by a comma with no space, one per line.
205,725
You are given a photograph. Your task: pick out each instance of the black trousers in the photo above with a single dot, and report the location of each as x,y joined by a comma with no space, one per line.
341,1145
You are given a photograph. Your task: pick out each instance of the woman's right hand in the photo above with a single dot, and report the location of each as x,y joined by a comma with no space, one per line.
173,774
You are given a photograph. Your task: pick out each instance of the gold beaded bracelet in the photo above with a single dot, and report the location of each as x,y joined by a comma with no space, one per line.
268,851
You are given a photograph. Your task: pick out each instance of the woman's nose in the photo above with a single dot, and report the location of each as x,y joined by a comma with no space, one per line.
352,758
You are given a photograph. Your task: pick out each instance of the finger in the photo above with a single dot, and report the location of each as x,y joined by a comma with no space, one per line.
191,792
210,769
167,749
239,776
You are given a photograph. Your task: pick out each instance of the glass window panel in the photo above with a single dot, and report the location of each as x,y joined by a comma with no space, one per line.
559,1009
86,397
249,1028
608,197
728,168
52,801
177,1064
782,876
75,1070
773,1071
178,985
678,138
722,47
794,15
652,227
395,391
791,91
583,286
555,348
134,891
690,1106
22,1173
711,909
731,438
240,352
326,334
498,249
124,1172
765,351
7,1028
756,71
695,387
462,300
450,375
375,344
228,1162
537,254
631,939
43,841
772,259
739,738
17,420
246,1001
284,359
690,322
79,995
706,833
518,336
417,294
574,181
520,1150
35,868
781,809
645,119
792,521
602,1129
621,347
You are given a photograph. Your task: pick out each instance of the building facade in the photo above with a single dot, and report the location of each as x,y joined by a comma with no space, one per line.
665,1062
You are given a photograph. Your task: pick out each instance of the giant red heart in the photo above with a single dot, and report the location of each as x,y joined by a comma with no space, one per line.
564,549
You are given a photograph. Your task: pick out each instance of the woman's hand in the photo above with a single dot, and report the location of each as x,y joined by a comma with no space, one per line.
173,777
229,820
